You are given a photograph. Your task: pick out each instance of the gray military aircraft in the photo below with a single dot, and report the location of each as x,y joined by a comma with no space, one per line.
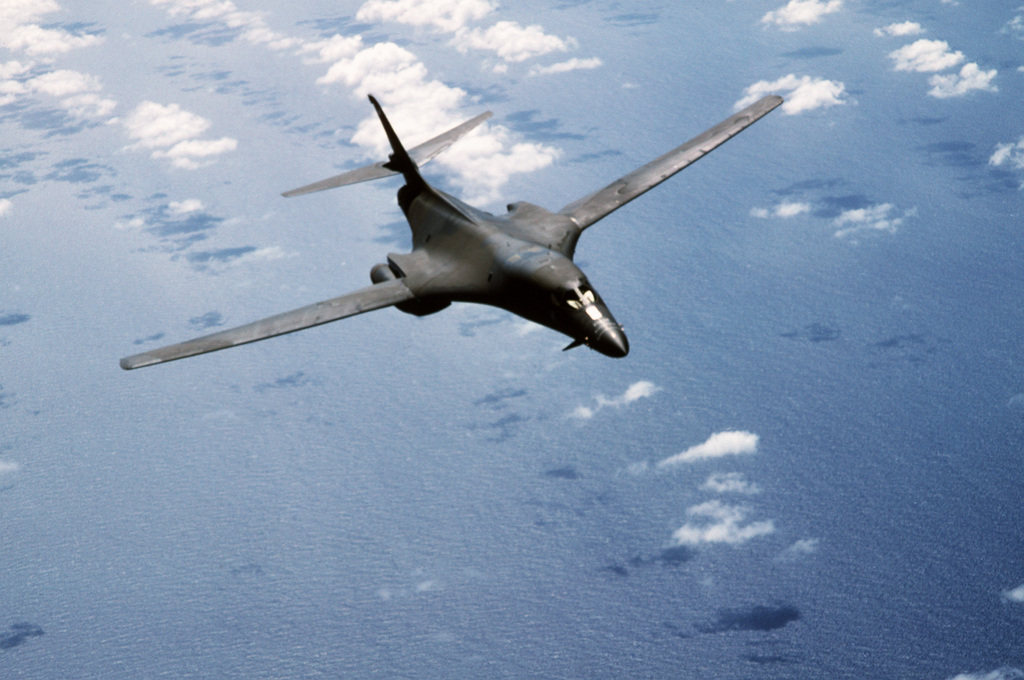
520,261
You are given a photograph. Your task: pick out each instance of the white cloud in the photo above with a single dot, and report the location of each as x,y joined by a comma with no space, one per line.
805,94
79,91
573,64
446,15
798,13
418,106
874,218
728,443
801,548
5,206
511,42
783,210
730,482
253,27
185,207
901,29
21,32
1015,26
724,525
925,56
958,84
638,390
171,132
1011,152
7,466
999,674
63,82
1016,595
484,162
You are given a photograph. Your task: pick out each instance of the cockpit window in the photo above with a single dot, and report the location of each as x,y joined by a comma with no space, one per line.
579,297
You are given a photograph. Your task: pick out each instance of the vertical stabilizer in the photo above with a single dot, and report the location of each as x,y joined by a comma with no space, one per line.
399,160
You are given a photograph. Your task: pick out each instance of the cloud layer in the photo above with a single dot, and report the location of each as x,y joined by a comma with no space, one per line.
418,105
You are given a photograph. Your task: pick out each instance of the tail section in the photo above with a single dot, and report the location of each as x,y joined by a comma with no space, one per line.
400,161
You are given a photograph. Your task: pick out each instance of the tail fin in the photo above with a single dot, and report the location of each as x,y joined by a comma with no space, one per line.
415,157
399,160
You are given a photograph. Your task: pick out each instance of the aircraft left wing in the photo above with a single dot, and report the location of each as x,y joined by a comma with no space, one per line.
590,209
365,300
420,154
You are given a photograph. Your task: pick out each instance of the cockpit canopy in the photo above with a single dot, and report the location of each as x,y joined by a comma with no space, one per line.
578,297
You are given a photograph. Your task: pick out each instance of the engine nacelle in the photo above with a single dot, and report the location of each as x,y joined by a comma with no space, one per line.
382,273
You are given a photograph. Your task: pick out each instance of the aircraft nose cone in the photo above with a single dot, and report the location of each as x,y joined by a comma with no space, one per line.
611,341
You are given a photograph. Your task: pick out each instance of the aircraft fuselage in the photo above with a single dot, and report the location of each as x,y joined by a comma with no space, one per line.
462,254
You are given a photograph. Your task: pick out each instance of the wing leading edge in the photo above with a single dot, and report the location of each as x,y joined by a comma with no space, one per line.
591,208
367,299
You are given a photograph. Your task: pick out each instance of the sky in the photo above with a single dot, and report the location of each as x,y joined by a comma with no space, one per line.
808,466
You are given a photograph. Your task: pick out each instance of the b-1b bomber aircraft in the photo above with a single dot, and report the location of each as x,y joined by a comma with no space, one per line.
521,261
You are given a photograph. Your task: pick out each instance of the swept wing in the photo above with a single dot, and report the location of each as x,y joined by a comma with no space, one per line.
590,209
365,300
419,154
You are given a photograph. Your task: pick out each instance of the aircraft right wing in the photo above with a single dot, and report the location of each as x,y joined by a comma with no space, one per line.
365,300
420,154
591,208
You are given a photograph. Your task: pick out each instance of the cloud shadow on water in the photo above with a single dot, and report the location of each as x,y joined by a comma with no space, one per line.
814,332
19,634
759,618
813,53
14,318
568,472
151,338
298,379
545,130
208,320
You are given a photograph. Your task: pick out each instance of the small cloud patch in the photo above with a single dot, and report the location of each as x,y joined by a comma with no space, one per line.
1010,153
730,482
1015,596
638,390
171,132
804,93
729,443
999,674
799,13
876,218
799,549
720,523
782,210
904,28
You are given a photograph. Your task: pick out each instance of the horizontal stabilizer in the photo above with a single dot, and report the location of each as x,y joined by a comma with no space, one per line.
419,154
368,299
590,209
